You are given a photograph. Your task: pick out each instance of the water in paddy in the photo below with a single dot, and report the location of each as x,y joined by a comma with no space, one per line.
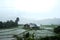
8,33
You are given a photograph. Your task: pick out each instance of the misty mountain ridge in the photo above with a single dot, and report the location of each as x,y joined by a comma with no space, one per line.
38,22
44,21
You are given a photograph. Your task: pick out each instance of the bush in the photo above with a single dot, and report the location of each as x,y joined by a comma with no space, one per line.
51,38
57,30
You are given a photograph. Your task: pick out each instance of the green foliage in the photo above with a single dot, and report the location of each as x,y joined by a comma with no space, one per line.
18,38
9,24
51,38
1,24
16,21
57,30
26,36
52,25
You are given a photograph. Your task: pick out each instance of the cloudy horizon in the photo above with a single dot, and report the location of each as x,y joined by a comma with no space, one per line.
30,9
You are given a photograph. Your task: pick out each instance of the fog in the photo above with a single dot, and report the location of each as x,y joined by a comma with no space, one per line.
29,9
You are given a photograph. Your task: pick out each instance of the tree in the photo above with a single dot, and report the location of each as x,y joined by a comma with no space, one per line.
7,24
57,30
16,21
11,23
1,24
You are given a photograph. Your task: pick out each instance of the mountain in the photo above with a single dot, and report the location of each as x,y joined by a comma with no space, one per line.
49,21
44,22
38,22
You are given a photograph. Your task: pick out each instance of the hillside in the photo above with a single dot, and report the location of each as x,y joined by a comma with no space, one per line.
45,21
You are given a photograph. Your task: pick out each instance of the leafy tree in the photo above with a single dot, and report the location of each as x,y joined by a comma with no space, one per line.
16,21
9,24
57,30
1,24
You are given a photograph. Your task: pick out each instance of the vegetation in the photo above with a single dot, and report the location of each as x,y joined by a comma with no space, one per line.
56,37
52,25
9,24
51,38
57,30
27,37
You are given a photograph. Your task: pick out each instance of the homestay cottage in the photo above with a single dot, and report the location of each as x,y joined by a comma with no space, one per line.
26,26
31,26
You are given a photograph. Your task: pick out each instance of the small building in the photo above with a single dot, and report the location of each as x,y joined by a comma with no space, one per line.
31,26
26,26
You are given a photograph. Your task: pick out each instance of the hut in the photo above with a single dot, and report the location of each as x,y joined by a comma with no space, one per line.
31,26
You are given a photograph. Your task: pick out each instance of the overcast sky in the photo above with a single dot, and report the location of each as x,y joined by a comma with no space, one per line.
30,9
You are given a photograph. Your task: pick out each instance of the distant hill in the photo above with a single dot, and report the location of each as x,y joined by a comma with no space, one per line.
45,21
38,22
49,21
